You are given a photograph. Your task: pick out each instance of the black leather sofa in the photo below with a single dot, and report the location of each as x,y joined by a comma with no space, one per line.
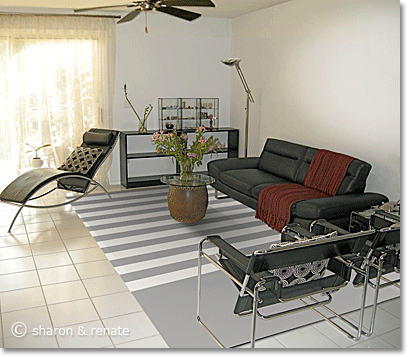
285,162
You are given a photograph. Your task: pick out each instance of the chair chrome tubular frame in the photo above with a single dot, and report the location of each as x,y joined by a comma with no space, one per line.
377,263
256,300
200,255
323,304
377,286
24,204
359,327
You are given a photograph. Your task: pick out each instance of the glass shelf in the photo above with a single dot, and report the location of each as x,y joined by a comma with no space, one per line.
181,110
195,181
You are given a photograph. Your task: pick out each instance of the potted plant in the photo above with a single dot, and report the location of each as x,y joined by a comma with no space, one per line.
36,161
176,144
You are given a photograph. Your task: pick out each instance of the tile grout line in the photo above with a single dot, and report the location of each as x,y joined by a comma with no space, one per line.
39,280
83,285
113,344
87,292
398,328
1,326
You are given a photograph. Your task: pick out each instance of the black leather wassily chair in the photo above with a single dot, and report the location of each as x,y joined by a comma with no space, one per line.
76,174
289,272
382,255
379,256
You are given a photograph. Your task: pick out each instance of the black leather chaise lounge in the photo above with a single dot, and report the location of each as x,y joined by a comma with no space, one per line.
75,174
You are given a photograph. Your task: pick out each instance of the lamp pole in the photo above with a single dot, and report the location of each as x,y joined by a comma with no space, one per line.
235,62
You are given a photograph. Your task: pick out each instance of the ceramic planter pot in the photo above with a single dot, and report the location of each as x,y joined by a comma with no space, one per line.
36,162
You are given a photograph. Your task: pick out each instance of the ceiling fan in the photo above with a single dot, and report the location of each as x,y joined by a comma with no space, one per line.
165,6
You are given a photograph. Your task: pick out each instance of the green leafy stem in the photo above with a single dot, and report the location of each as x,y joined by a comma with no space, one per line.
36,149
147,110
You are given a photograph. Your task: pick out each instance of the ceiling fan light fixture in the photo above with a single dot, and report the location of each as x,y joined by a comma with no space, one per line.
164,6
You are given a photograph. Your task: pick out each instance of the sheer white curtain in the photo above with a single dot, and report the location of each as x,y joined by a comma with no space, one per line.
56,75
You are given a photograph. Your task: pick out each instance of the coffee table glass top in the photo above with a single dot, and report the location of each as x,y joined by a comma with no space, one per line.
195,181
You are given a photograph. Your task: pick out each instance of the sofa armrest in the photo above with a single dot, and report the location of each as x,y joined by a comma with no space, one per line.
337,206
215,167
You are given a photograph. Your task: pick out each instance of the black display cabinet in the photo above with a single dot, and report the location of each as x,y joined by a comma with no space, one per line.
127,157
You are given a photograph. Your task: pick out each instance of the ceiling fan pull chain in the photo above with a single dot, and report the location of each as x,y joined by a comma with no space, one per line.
146,28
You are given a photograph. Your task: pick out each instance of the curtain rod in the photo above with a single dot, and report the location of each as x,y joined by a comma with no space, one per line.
50,14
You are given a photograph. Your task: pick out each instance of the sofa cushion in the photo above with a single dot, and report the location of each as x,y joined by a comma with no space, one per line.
215,167
355,179
244,180
282,158
291,161
336,206
257,189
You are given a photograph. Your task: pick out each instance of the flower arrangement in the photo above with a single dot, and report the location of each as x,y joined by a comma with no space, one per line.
176,144
148,109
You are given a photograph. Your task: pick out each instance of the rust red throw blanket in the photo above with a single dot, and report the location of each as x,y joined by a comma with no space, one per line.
327,171
323,178
275,202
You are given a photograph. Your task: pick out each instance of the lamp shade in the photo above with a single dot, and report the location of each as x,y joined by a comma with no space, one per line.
231,61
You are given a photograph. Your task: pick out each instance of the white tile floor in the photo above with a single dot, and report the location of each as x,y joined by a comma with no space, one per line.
56,280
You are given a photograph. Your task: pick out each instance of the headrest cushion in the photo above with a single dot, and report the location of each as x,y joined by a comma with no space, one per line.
91,138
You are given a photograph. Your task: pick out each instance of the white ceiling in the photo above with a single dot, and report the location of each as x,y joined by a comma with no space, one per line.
223,8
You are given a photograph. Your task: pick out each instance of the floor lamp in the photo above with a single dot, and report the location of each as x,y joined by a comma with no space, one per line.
235,62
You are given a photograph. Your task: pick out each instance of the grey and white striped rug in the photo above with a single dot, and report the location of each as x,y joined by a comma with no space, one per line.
157,259
148,248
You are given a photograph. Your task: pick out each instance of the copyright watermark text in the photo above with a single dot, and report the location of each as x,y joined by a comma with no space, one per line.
19,329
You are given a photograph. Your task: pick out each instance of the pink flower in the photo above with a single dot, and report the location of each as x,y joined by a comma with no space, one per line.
211,148
155,136
201,128
191,154
184,137
202,140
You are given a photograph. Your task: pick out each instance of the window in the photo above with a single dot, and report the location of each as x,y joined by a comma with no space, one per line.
56,78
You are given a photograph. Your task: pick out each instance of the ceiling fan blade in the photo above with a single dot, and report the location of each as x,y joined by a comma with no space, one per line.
183,14
188,3
103,7
130,16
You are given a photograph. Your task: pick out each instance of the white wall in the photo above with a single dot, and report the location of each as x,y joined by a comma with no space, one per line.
176,59
324,73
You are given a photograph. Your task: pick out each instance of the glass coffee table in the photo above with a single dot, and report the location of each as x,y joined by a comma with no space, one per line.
187,200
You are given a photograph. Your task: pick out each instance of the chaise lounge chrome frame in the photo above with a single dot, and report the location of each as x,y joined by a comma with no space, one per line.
334,251
92,182
44,176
